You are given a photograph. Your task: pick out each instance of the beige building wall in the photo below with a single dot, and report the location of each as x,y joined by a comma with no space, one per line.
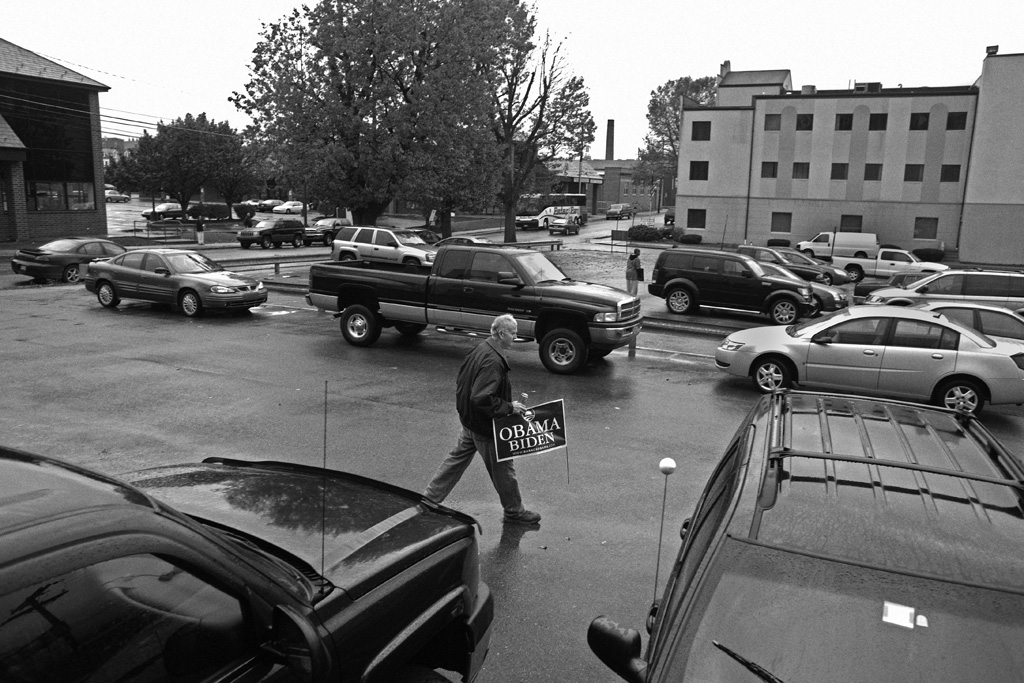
993,215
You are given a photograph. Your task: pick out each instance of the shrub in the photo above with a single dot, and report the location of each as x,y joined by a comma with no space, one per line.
643,233
930,254
243,210
214,211
691,238
778,242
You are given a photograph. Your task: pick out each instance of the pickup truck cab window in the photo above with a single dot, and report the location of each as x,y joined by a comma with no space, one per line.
486,267
454,264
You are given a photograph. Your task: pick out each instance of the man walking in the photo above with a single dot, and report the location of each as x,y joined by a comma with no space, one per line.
483,392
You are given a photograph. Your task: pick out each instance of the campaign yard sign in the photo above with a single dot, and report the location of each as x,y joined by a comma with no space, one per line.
540,430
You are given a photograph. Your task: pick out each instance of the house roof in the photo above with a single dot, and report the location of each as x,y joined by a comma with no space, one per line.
17,61
8,138
749,78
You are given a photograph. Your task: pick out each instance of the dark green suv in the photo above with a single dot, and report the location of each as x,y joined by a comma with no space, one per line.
273,232
842,539
690,278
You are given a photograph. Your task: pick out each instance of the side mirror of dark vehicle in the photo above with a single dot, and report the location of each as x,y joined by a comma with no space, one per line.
162,271
295,644
509,279
618,648
746,273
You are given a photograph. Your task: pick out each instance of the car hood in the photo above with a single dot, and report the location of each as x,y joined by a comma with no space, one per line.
583,292
360,531
889,291
222,277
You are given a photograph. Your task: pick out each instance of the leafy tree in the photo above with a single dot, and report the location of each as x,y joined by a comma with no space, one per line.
239,171
572,127
122,171
659,158
527,78
183,156
363,101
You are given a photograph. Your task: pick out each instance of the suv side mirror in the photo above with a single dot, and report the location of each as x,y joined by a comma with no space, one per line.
509,278
618,648
295,644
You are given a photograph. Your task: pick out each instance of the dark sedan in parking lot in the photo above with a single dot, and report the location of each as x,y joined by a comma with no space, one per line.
62,259
186,279
165,210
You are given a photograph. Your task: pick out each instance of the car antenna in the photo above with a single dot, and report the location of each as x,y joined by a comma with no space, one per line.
667,467
323,493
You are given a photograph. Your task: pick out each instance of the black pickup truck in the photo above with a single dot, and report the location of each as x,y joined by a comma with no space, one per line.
463,291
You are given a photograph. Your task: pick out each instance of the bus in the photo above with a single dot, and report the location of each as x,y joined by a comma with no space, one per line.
552,209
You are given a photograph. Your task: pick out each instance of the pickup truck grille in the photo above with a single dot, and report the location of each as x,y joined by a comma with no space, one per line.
629,309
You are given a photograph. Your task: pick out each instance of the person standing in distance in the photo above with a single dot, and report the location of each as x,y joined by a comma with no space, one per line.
483,392
633,270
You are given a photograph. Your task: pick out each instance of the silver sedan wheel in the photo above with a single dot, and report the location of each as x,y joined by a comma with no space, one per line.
771,375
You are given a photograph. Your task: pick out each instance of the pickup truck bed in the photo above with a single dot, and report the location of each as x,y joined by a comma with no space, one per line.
466,288
888,262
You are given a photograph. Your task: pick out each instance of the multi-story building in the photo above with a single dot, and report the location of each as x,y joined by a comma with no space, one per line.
919,166
51,166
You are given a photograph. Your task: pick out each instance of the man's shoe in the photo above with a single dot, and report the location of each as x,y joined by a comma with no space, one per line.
524,517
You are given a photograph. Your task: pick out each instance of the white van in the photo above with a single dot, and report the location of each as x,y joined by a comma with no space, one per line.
855,244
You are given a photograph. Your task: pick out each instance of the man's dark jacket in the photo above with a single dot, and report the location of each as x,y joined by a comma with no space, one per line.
483,390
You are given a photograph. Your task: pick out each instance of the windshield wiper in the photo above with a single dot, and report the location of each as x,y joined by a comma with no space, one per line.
756,669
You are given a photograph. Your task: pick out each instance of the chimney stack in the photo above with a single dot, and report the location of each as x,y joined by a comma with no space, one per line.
609,145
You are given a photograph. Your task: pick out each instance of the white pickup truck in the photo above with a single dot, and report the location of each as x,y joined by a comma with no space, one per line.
887,262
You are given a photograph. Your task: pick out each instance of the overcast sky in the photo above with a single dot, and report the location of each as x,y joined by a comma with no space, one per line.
163,60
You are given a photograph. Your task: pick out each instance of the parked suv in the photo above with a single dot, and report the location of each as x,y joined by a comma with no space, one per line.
274,232
842,539
690,278
997,288
231,570
381,244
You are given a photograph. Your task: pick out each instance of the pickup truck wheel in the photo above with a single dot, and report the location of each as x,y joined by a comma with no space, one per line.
808,252
563,352
409,329
679,301
266,242
854,272
359,326
783,312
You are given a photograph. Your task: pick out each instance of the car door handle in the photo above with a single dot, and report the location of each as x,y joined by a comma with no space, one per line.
937,356
869,352
468,290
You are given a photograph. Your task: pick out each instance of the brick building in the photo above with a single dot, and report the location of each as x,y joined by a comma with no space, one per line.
51,165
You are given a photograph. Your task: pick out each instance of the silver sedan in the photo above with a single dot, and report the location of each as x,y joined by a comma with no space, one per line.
881,350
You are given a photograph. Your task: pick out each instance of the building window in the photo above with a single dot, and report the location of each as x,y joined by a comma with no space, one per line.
801,170
772,121
919,121
805,121
878,121
849,223
698,170
950,173
696,218
839,171
769,169
872,171
844,121
926,228
956,120
701,130
913,173
782,222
